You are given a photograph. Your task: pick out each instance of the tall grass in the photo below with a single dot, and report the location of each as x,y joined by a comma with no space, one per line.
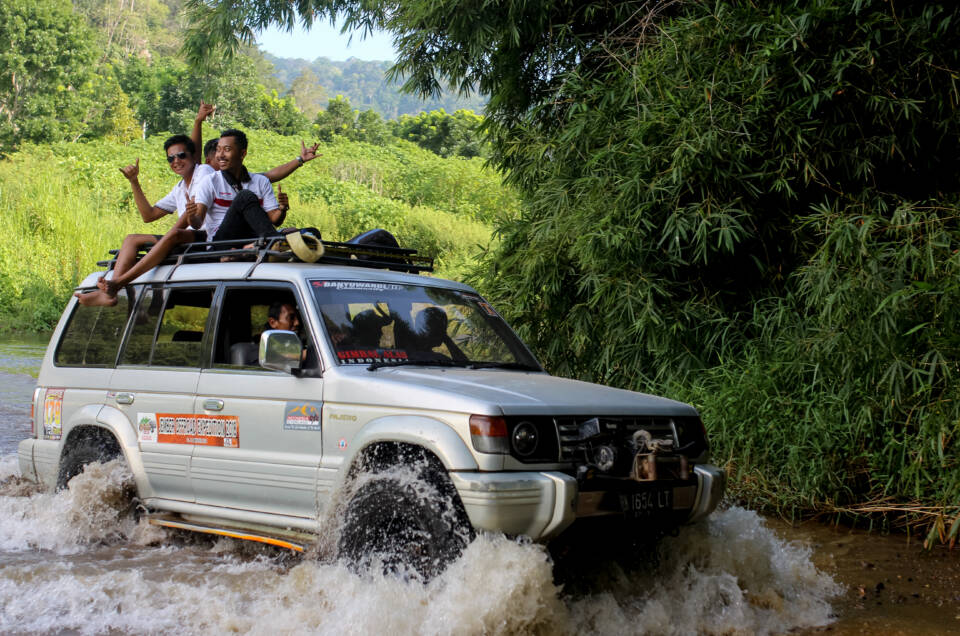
66,205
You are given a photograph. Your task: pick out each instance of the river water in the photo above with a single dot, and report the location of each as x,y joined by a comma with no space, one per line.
76,562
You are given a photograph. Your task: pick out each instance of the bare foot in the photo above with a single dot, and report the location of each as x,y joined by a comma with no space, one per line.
109,287
98,298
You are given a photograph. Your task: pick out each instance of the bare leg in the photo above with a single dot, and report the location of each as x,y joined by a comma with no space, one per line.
127,254
107,294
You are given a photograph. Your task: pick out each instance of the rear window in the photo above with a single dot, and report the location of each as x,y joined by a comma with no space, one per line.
93,334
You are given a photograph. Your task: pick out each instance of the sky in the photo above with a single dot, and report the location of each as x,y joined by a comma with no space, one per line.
325,40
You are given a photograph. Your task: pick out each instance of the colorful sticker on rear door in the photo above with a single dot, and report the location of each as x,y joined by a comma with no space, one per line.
189,428
53,414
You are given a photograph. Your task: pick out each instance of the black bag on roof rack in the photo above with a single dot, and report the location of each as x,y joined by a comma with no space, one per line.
375,238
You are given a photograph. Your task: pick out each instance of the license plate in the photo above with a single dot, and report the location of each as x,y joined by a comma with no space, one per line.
641,504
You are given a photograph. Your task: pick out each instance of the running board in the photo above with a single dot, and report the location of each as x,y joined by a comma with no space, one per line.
167,522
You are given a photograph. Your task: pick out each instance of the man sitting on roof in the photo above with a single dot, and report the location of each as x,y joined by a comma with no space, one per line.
234,204
182,157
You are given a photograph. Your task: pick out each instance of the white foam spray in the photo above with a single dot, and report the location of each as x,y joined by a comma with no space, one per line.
72,561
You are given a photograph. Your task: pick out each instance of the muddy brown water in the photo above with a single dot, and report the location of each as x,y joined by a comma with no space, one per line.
76,562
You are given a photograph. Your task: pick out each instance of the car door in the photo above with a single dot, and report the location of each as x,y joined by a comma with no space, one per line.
155,382
274,466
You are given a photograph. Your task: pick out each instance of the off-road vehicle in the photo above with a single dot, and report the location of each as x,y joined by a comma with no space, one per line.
405,399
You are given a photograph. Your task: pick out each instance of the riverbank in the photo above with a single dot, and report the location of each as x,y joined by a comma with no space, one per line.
891,585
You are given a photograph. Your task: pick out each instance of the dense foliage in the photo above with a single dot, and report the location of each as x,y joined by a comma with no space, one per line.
93,69
65,205
47,88
748,205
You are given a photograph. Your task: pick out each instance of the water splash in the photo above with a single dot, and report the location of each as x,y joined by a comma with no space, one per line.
94,508
74,561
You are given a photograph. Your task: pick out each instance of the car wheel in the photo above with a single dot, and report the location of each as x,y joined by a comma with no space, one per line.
405,528
84,450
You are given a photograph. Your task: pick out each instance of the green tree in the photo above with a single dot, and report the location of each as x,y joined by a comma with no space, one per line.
308,92
371,128
45,57
338,120
446,135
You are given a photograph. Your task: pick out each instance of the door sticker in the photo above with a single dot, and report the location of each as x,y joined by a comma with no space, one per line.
302,416
53,414
188,428
147,427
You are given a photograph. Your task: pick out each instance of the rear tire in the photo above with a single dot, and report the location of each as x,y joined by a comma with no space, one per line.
86,449
406,528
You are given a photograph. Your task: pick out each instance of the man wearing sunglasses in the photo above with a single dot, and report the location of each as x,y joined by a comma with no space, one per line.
181,155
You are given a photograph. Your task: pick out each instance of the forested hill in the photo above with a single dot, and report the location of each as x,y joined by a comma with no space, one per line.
113,69
360,81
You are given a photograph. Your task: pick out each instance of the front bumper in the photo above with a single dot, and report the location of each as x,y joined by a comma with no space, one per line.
541,505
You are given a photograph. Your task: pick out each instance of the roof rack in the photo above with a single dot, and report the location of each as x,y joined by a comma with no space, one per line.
275,249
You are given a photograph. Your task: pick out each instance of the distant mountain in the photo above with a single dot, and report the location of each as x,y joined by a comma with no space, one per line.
363,83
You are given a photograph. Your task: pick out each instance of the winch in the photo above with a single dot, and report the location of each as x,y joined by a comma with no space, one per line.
643,455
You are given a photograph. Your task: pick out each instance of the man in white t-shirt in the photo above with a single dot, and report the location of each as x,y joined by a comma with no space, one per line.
234,204
181,155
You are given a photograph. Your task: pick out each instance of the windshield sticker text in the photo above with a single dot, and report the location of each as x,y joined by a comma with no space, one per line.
367,356
354,285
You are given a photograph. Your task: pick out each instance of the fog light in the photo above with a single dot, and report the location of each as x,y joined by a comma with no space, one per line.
525,439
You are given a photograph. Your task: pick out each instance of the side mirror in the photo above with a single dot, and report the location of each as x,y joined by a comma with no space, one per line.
280,350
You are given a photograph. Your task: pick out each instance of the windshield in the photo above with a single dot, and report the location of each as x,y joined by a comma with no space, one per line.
388,323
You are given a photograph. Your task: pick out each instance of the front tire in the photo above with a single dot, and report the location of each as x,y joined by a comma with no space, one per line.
408,526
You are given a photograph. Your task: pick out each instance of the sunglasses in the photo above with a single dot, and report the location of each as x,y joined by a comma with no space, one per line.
177,155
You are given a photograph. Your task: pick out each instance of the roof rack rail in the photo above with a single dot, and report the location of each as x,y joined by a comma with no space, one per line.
275,249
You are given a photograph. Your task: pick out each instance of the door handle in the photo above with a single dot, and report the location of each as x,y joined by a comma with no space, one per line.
125,398
213,405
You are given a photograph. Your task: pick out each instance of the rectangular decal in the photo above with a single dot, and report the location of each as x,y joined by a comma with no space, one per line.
366,356
189,428
53,414
354,285
302,416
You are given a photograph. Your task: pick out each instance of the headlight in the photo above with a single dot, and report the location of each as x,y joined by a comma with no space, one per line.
524,439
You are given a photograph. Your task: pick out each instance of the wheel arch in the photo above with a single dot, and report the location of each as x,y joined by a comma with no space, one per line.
414,431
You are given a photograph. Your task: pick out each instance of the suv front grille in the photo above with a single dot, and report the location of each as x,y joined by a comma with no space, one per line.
561,437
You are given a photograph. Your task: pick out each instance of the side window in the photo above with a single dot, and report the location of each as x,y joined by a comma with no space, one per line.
139,343
180,336
168,327
92,337
245,315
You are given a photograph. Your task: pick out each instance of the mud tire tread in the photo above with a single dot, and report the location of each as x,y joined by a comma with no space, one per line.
388,520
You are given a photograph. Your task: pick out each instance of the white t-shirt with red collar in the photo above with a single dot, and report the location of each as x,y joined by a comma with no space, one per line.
217,195
176,199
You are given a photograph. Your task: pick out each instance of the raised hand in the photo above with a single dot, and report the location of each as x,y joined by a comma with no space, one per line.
205,110
309,153
282,200
131,171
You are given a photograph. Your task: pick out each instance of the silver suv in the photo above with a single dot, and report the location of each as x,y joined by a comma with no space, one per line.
404,399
